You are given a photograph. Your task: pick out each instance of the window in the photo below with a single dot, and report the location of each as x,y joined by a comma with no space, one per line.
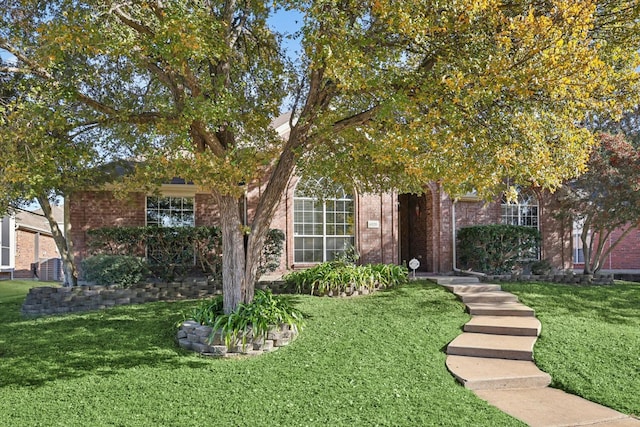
578,250
170,211
7,226
323,228
523,212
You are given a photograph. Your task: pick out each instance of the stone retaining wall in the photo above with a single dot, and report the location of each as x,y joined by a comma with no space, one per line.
50,300
555,278
195,337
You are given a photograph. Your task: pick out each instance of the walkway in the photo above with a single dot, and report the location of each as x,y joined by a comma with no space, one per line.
494,358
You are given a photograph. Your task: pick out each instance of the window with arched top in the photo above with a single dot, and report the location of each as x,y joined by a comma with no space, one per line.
524,211
322,221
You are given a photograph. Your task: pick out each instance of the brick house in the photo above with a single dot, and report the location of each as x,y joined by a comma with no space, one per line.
386,228
27,246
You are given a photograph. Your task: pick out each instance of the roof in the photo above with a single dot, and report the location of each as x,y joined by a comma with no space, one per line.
281,124
36,221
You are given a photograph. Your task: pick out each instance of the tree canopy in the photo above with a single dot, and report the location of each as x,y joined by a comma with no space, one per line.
605,198
386,95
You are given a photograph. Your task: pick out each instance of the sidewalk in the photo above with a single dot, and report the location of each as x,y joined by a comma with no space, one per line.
494,358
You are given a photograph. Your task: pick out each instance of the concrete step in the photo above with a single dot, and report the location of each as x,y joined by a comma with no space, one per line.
551,407
487,296
492,346
453,280
499,309
478,287
479,373
504,325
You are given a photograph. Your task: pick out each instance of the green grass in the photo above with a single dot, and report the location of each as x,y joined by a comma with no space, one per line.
15,290
590,341
374,360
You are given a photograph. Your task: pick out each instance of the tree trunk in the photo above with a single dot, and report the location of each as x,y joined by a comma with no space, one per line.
233,253
587,241
63,242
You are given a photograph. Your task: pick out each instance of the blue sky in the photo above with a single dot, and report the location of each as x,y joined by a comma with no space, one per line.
283,21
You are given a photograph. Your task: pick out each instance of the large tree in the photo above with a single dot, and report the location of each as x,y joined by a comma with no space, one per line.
386,94
45,155
604,199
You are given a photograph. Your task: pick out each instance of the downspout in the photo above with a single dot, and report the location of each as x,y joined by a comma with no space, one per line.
454,236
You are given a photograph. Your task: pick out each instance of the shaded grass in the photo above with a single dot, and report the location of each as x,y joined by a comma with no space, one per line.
15,290
374,360
590,340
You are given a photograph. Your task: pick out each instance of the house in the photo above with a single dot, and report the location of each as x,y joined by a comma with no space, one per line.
28,250
624,259
384,228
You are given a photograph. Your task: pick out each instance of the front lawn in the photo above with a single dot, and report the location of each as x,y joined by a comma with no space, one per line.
374,360
590,341
15,290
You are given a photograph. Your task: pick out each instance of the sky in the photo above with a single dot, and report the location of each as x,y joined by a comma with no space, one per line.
287,23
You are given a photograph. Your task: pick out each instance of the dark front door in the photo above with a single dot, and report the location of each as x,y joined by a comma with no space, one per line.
414,230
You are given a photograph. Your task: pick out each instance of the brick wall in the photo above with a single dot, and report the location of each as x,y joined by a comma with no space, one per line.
90,210
556,234
33,247
625,255
206,211
377,228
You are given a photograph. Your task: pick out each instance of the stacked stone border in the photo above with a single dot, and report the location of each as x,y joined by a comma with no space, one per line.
46,300
579,279
196,337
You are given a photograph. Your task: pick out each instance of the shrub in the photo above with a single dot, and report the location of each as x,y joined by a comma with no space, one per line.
118,270
337,277
496,249
170,251
257,318
541,268
173,252
273,246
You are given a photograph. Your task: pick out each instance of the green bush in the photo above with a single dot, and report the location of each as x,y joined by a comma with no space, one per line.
265,312
541,268
118,270
273,246
496,249
171,252
174,252
337,277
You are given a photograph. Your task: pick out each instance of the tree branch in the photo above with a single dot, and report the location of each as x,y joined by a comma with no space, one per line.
355,120
130,22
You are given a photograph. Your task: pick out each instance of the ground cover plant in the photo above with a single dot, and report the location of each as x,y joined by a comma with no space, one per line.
590,342
375,360
336,277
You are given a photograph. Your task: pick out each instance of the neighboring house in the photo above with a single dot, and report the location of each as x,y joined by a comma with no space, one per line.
385,228
27,246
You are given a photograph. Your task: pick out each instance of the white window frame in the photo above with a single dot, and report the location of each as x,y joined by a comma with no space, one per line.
193,210
327,254
12,242
521,206
578,250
